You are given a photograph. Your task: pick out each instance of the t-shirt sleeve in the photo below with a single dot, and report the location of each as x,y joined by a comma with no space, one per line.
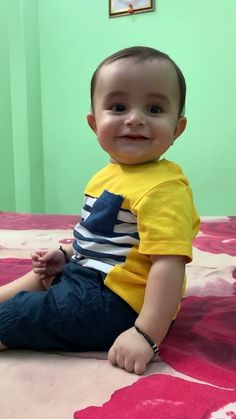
165,220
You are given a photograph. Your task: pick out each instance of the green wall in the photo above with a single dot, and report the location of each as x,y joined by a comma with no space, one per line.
7,187
21,143
48,52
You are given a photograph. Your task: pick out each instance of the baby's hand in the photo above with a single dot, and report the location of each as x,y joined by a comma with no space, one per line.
131,352
47,262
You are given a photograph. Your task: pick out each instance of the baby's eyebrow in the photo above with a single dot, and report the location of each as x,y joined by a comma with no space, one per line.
157,96
114,94
150,96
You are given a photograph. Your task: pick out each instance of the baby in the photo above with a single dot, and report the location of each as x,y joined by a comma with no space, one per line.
118,286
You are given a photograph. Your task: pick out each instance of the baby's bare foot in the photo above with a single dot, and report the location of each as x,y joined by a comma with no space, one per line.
2,347
47,281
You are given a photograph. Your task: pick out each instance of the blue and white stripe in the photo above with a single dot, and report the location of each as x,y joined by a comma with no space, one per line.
106,233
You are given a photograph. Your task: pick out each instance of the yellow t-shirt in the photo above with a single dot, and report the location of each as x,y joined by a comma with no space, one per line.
130,213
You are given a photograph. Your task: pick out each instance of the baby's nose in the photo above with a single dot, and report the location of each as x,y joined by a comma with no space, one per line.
135,117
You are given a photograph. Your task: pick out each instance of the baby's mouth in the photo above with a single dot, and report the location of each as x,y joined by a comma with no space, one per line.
133,137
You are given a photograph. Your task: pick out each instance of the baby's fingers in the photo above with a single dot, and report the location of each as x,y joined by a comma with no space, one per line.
38,264
112,356
140,367
129,365
39,267
38,254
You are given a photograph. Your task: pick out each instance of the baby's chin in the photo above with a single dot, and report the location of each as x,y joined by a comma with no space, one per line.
132,162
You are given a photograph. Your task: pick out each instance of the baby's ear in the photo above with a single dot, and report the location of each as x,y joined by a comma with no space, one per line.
92,122
180,127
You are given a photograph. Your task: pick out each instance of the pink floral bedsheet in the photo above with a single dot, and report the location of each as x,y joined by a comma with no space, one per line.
195,377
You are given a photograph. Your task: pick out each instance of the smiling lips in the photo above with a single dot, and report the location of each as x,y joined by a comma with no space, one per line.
133,137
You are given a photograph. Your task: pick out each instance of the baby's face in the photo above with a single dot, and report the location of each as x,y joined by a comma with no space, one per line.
136,107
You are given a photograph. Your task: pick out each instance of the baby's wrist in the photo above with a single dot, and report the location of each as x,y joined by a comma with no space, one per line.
65,254
148,340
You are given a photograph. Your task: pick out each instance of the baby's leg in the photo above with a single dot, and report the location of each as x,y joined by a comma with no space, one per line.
28,282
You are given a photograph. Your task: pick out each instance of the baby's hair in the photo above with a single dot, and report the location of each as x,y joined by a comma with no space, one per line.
140,54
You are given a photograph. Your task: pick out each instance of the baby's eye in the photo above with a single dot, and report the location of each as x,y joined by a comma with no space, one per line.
154,109
118,107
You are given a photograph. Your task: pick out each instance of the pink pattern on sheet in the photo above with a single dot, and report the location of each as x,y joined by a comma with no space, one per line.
161,396
218,237
14,221
202,341
12,269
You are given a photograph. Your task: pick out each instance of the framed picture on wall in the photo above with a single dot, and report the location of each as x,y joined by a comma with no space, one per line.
129,7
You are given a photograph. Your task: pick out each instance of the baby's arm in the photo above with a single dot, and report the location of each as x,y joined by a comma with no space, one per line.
162,296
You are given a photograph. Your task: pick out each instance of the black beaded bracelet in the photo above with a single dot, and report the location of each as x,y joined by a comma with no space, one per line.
149,340
65,254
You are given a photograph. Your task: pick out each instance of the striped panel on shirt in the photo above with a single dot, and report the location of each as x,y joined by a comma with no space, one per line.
106,233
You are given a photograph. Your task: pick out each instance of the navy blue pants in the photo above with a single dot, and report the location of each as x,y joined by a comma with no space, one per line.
77,313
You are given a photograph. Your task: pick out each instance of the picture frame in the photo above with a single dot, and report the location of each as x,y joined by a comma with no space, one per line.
129,7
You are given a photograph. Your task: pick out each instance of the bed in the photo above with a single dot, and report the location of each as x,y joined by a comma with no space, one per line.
195,375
